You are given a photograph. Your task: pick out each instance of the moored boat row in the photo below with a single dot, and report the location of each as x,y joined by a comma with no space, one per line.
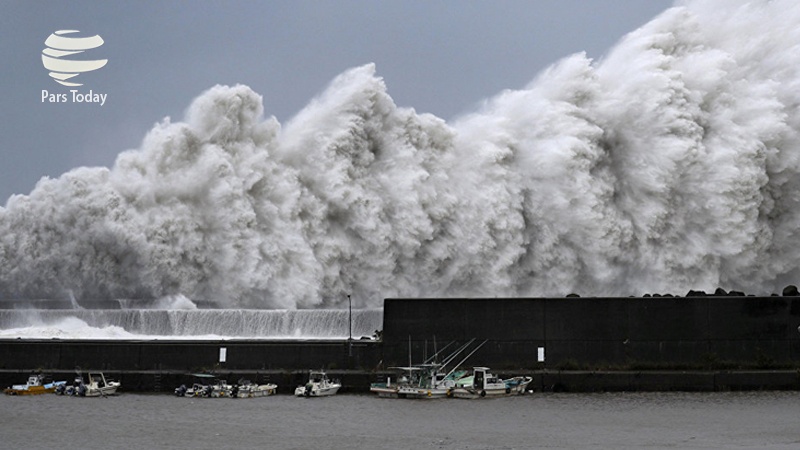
97,386
423,382
433,380
208,386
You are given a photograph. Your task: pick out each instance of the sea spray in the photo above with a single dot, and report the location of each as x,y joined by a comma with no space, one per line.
671,164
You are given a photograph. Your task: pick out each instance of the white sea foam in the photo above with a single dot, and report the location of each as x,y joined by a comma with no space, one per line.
67,328
672,164
200,324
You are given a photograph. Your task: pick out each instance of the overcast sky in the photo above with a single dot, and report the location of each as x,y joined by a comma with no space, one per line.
441,57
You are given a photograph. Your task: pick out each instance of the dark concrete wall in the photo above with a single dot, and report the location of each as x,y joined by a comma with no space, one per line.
580,332
186,355
703,333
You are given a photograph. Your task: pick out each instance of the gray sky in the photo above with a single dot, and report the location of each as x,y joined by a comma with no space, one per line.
441,57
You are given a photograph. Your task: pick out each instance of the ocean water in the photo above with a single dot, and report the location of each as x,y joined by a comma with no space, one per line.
741,420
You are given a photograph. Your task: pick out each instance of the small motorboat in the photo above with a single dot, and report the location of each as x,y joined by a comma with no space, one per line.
205,385
247,389
98,386
37,384
483,383
318,385
208,385
201,387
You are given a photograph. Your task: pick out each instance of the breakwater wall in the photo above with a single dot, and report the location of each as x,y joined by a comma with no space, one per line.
188,355
568,344
160,365
707,332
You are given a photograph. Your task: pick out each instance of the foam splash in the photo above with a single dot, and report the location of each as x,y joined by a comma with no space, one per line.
200,324
65,328
670,165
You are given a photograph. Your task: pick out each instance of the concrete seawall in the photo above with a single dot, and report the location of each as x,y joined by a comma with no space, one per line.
588,344
587,333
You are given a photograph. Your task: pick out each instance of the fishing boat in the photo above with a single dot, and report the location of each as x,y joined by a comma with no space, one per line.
427,380
318,385
483,383
388,388
37,384
424,381
247,389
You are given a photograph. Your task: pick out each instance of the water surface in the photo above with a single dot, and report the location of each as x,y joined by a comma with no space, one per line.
751,420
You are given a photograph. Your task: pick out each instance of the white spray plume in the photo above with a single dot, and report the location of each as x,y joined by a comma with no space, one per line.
672,164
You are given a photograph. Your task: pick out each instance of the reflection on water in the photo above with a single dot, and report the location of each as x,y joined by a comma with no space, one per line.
750,420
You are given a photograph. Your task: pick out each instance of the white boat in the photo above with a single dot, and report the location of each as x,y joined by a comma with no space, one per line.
389,388
37,384
98,386
196,390
421,381
247,389
318,385
428,381
483,383
209,386
217,388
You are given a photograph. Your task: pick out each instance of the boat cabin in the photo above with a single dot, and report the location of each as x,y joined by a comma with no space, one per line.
483,379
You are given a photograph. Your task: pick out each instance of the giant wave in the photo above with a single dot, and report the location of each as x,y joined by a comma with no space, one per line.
671,164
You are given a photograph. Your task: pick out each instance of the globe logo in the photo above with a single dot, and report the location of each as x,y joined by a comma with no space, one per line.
60,48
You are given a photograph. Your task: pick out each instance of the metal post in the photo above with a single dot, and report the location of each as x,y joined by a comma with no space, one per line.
350,326
350,307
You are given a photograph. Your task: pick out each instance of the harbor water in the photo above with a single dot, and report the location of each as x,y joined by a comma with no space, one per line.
742,420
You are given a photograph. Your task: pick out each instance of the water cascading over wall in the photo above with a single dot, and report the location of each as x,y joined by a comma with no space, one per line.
198,324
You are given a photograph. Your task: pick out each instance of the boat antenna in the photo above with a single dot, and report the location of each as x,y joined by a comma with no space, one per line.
453,355
437,353
467,357
409,350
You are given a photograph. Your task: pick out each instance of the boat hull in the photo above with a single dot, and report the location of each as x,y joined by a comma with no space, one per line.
301,391
33,390
264,390
318,385
515,386
384,391
422,393
101,392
